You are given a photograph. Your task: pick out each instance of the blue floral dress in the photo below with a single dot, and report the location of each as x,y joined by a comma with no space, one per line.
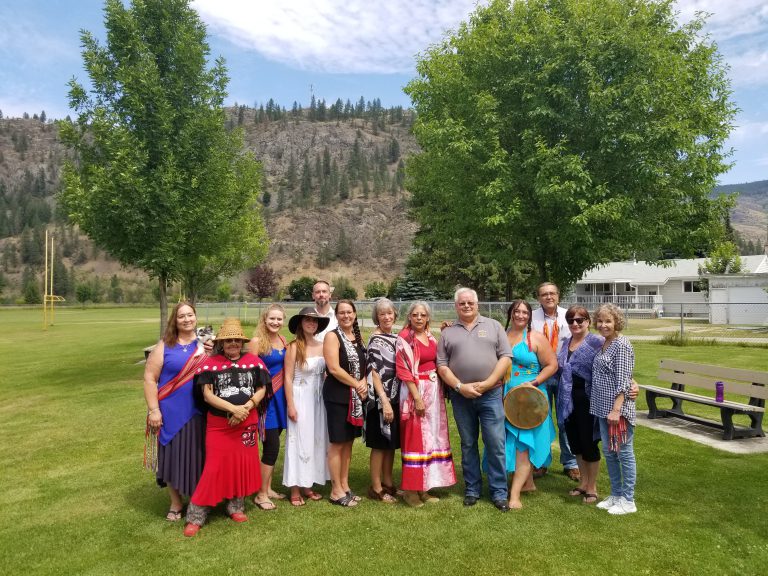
538,441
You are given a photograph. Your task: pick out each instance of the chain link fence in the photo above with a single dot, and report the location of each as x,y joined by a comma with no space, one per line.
720,322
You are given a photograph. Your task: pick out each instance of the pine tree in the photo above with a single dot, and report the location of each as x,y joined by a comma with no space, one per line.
326,162
344,187
290,174
394,150
306,183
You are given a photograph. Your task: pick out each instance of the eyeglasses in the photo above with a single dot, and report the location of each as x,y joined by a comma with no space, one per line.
231,340
577,321
467,304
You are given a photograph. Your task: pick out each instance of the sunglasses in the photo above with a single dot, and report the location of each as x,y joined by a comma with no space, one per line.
231,340
577,321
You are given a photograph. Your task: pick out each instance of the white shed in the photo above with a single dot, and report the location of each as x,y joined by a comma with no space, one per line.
738,299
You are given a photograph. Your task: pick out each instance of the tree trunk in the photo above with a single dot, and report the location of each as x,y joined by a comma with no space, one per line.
163,303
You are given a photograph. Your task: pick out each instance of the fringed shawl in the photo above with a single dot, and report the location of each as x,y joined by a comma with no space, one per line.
408,365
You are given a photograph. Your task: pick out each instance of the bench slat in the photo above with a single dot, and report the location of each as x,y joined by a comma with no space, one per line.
708,382
701,399
717,372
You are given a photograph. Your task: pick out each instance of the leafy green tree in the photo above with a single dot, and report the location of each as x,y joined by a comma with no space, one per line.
566,133
375,290
83,293
158,181
115,291
724,259
224,292
300,289
342,288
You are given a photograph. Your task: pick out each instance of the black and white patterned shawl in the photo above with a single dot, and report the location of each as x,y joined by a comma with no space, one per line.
353,361
381,358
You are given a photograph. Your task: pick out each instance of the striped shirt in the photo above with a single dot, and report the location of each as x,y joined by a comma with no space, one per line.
611,375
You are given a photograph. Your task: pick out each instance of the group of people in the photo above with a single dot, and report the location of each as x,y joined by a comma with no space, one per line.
209,408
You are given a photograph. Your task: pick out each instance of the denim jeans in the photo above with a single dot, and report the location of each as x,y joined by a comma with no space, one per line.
567,459
622,470
486,415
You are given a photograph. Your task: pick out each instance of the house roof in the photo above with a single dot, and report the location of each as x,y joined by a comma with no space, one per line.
642,273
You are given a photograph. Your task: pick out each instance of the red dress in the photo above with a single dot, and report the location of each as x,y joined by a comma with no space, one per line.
424,443
232,467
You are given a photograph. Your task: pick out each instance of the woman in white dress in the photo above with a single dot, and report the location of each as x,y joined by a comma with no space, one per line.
306,441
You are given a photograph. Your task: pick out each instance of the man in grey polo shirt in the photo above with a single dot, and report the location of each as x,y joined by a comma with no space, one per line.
472,356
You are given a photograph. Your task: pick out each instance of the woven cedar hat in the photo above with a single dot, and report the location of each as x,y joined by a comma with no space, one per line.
308,312
231,328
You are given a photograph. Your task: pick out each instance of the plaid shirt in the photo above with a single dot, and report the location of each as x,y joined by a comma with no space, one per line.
611,375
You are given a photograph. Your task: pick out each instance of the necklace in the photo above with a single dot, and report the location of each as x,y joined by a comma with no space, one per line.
184,346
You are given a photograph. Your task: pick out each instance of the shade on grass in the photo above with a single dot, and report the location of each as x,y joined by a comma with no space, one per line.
75,500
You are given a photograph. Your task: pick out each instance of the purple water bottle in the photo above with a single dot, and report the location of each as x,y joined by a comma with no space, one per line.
719,390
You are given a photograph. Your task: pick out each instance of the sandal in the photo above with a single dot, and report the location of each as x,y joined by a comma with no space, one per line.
573,474
539,472
577,492
354,496
173,515
264,504
297,501
312,495
391,490
382,496
347,501
589,498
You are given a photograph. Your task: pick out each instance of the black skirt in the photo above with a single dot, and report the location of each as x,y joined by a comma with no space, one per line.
180,462
373,436
339,430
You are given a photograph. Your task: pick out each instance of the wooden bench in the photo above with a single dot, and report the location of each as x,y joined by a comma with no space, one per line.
680,374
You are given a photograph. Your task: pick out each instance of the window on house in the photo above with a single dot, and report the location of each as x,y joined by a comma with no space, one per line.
691,286
602,288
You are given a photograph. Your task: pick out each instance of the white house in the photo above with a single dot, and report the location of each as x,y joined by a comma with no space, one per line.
663,290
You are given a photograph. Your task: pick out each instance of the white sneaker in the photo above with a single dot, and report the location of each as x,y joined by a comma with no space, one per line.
623,506
608,502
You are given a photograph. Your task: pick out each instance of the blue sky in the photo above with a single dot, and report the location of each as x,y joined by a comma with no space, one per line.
289,49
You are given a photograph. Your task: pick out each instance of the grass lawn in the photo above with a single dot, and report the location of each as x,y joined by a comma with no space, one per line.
75,499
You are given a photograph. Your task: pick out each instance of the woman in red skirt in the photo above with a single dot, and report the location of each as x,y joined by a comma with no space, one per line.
424,443
235,388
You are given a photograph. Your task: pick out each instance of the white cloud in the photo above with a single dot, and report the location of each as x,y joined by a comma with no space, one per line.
749,131
338,36
749,68
728,18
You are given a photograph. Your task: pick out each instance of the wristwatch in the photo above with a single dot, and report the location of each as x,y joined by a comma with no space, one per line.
458,386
